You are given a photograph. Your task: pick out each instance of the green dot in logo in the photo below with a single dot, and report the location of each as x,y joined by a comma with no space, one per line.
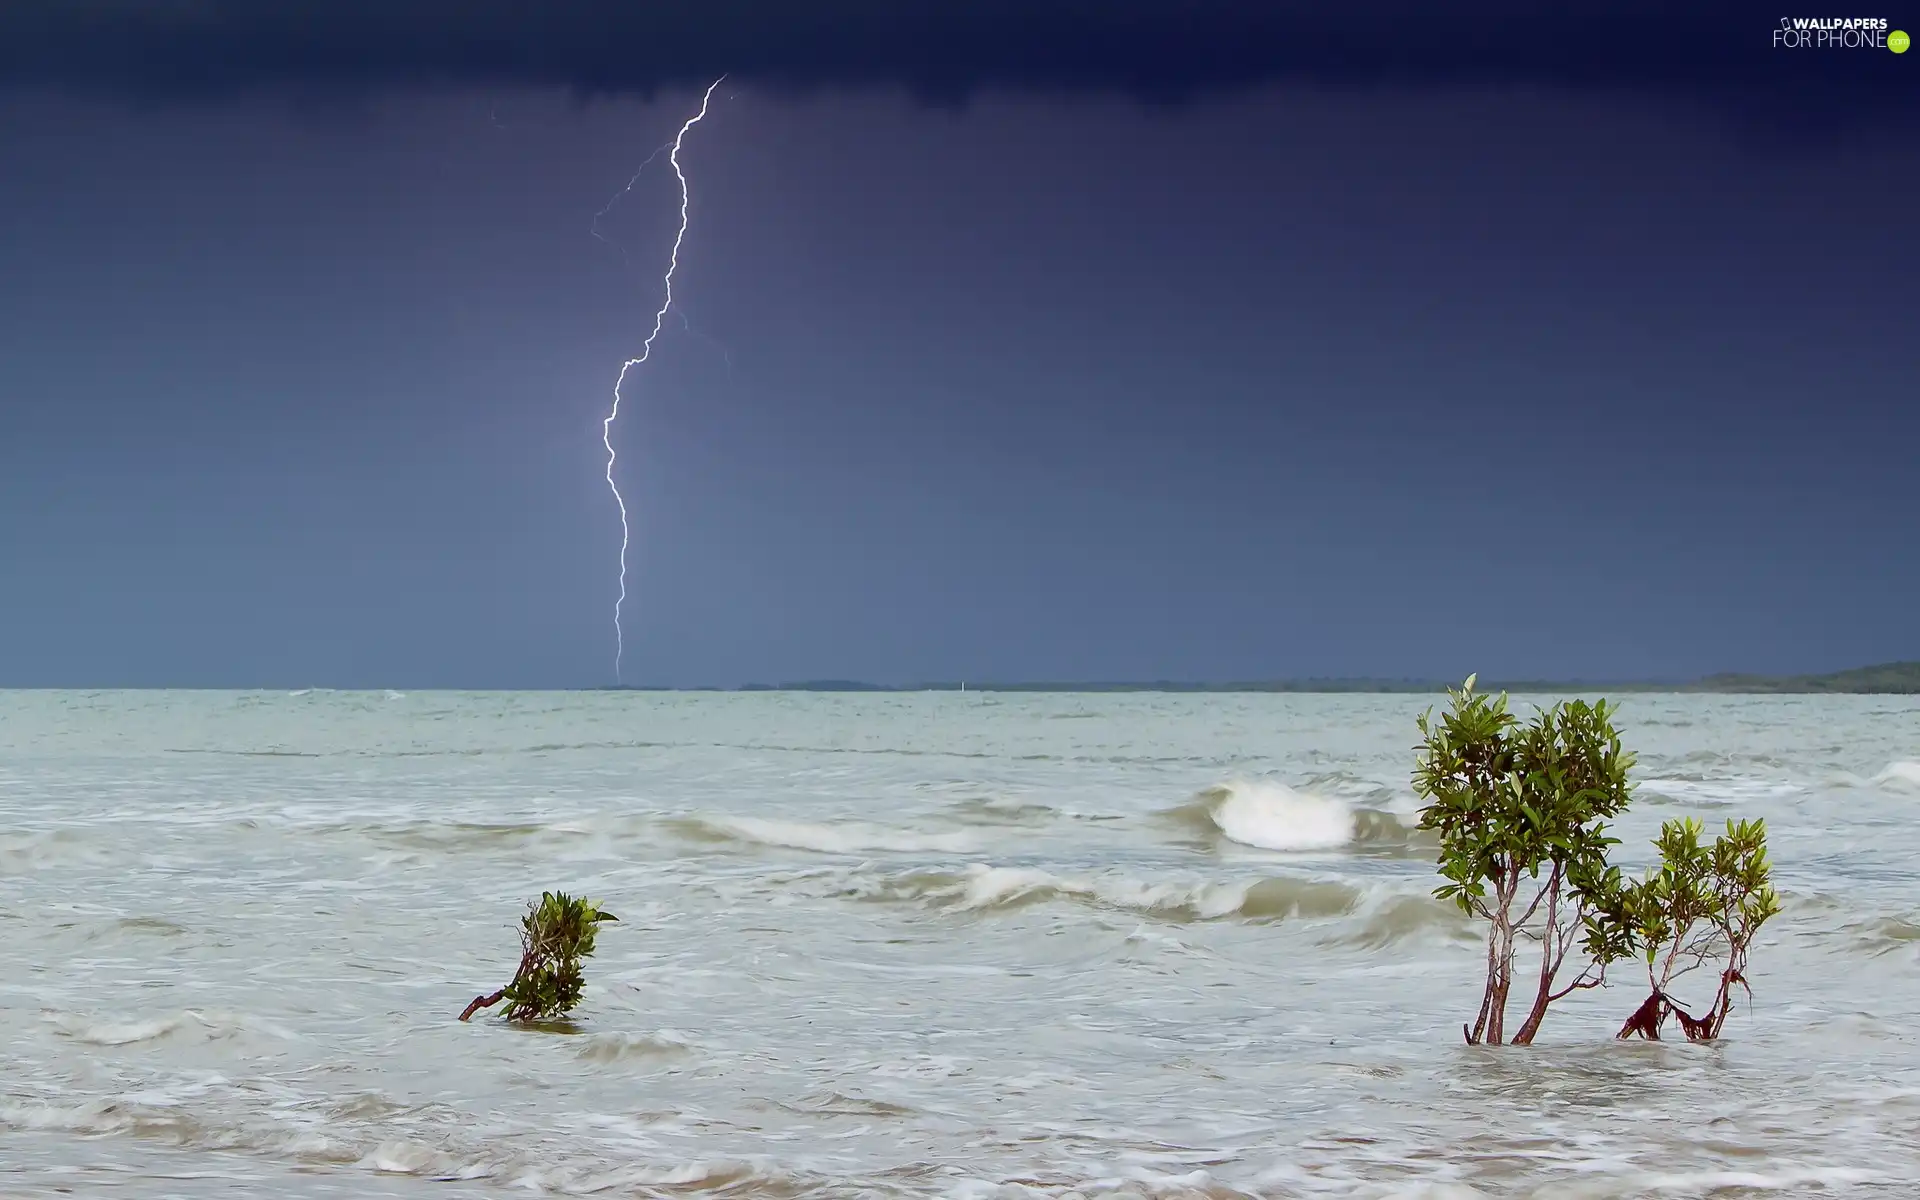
1898,41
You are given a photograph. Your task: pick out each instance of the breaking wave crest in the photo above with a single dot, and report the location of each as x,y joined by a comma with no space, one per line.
1272,816
985,888
1903,774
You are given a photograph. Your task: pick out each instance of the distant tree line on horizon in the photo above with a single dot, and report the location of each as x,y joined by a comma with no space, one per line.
1897,678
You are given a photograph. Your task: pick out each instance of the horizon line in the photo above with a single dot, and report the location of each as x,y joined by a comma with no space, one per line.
1886,678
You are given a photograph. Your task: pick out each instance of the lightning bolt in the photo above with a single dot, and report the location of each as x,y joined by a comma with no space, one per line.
646,348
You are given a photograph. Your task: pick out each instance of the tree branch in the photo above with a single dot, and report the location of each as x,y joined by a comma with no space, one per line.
1552,884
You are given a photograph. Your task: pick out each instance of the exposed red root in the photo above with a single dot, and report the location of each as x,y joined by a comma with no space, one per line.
1652,1013
1698,1029
480,1002
1647,1019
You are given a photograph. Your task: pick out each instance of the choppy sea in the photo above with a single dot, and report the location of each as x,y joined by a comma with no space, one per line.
978,946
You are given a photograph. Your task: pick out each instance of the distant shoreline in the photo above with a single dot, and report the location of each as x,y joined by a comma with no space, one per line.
1886,679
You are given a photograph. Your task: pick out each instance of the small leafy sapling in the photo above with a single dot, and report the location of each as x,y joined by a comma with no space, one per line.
1521,812
555,934
1700,908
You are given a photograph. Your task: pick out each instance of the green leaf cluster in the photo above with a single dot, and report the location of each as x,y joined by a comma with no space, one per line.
556,933
1506,797
1700,906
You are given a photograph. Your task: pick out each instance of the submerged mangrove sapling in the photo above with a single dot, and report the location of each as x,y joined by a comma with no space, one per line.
1521,814
557,932
1700,907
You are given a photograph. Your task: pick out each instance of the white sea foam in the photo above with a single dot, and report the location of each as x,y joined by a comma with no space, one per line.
1272,816
403,1156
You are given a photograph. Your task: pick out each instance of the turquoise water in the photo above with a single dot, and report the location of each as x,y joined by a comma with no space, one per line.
905,944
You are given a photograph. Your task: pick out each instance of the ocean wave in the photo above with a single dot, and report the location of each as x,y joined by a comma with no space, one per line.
1400,919
457,836
625,1047
380,1148
1734,758
103,1116
404,1156
1270,815
1000,810
985,888
162,1118
619,836
1136,1181
1686,788
1366,790
190,1025
21,853
840,1104
842,837
583,839
1784,1178
1903,774
148,926
1885,935
409,1156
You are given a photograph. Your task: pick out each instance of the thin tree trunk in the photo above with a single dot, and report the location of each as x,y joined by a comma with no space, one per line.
1502,980
1549,963
1503,970
1478,1032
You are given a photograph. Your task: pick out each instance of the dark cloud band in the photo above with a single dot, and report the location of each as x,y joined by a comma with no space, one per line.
1156,50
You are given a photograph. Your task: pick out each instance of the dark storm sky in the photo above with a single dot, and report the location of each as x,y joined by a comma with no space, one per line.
1104,344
